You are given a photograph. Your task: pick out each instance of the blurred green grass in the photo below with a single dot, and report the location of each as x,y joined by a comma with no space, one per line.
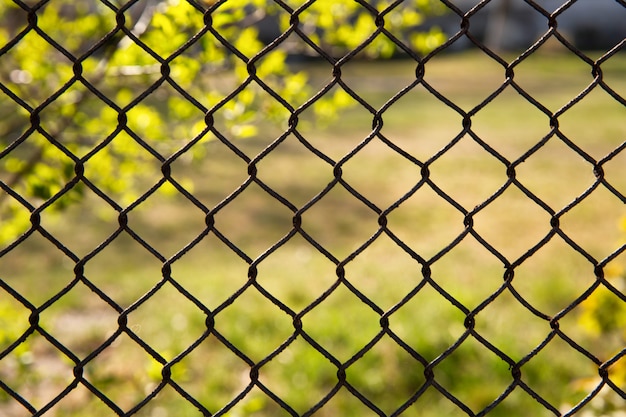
296,273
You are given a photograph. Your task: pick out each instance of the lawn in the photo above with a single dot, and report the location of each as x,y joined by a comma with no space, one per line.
299,274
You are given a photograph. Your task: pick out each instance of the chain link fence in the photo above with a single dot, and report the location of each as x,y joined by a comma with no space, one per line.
81,335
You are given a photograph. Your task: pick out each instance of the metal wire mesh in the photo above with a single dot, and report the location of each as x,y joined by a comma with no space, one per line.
166,366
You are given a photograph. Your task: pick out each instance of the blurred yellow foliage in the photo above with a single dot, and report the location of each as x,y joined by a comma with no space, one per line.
604,315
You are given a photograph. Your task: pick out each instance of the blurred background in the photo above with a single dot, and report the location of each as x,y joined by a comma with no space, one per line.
444,178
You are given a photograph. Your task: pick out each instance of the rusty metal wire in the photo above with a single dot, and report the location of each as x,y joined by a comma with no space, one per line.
376,121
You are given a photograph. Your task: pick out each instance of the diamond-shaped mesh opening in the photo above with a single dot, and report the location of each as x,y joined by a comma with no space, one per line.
232,120
602,313
562,358
299,375
510,26
253,220
486,374
312,208
166,138
468,88
290,86
604,133
376,91
37,370
324,138
385,284
358,22
514,136
134,66
340,222
420,123
121,163
329,321
524,225
42,69
247,43
350,122
130,73
551,287
468,272
18,268
254,324
299,282
440,324
80,320
136,271
401,18
158,215
37,169
553,82
390,177
167,311
499,325
568,176
56,22
75,120
108,374
91,220
290,157
224,271
217,385
419,221
468,172
211,170
406,375
162,36
603,239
